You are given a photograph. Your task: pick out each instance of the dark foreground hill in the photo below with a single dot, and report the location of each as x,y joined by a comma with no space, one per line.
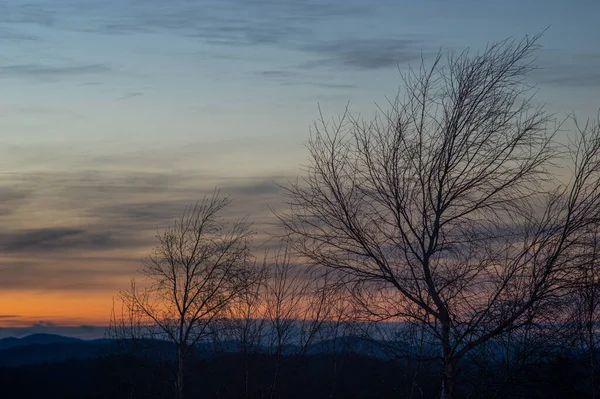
71,368
234,376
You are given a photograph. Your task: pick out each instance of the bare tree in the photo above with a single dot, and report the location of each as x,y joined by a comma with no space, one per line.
285,289
406,340
245,324
335,333
127,331
127,327
450,206
584,306
200,266
296,307
510,364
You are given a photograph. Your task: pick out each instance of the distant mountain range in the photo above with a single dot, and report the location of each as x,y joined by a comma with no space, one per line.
40,348
11,342
48,348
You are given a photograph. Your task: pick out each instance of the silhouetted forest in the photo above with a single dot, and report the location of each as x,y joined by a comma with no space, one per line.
97,369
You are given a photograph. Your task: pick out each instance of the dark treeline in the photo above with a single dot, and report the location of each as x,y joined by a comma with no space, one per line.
316,375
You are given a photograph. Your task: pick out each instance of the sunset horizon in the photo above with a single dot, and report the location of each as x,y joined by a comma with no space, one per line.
116,116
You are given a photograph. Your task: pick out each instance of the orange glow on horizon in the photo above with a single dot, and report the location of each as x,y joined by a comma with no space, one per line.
65,308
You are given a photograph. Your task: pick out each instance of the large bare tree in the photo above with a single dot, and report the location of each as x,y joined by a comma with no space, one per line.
200,267
460,207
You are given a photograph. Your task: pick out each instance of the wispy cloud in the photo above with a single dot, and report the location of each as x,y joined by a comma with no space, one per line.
52,72
257,188
303,78
11,198
13,35
69,271
344,55
228,28
234,22
111,220
129,95
52,239
579,70
364,54
38,13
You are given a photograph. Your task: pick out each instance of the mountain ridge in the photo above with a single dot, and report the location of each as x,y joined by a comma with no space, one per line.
35,339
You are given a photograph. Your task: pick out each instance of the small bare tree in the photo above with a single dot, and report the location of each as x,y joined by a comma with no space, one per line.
126,327
201,265
584,307
127,333
245,324
296,307
285,289
450,207
335,332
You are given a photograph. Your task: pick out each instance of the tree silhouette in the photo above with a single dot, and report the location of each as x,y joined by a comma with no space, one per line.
449,209
199,268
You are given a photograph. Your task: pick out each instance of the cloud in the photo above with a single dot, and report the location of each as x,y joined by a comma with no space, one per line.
292,26
112,219
8,316
303,78
334,85
54,239
234,22
63,272
14,35
11,198
116,210
278,74
51,72
351,54
574,71
573,76
238,23
44,324
28,13
141,215
249,33
258,188
311,9
363,54
135,216
130,95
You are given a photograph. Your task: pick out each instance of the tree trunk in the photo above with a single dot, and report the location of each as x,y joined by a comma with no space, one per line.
275,377
448,379
180,369
592,358
449,361
246,376
333,377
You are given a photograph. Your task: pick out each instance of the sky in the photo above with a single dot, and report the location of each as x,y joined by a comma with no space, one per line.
115,115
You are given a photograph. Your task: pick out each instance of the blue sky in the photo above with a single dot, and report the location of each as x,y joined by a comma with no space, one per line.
115,114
